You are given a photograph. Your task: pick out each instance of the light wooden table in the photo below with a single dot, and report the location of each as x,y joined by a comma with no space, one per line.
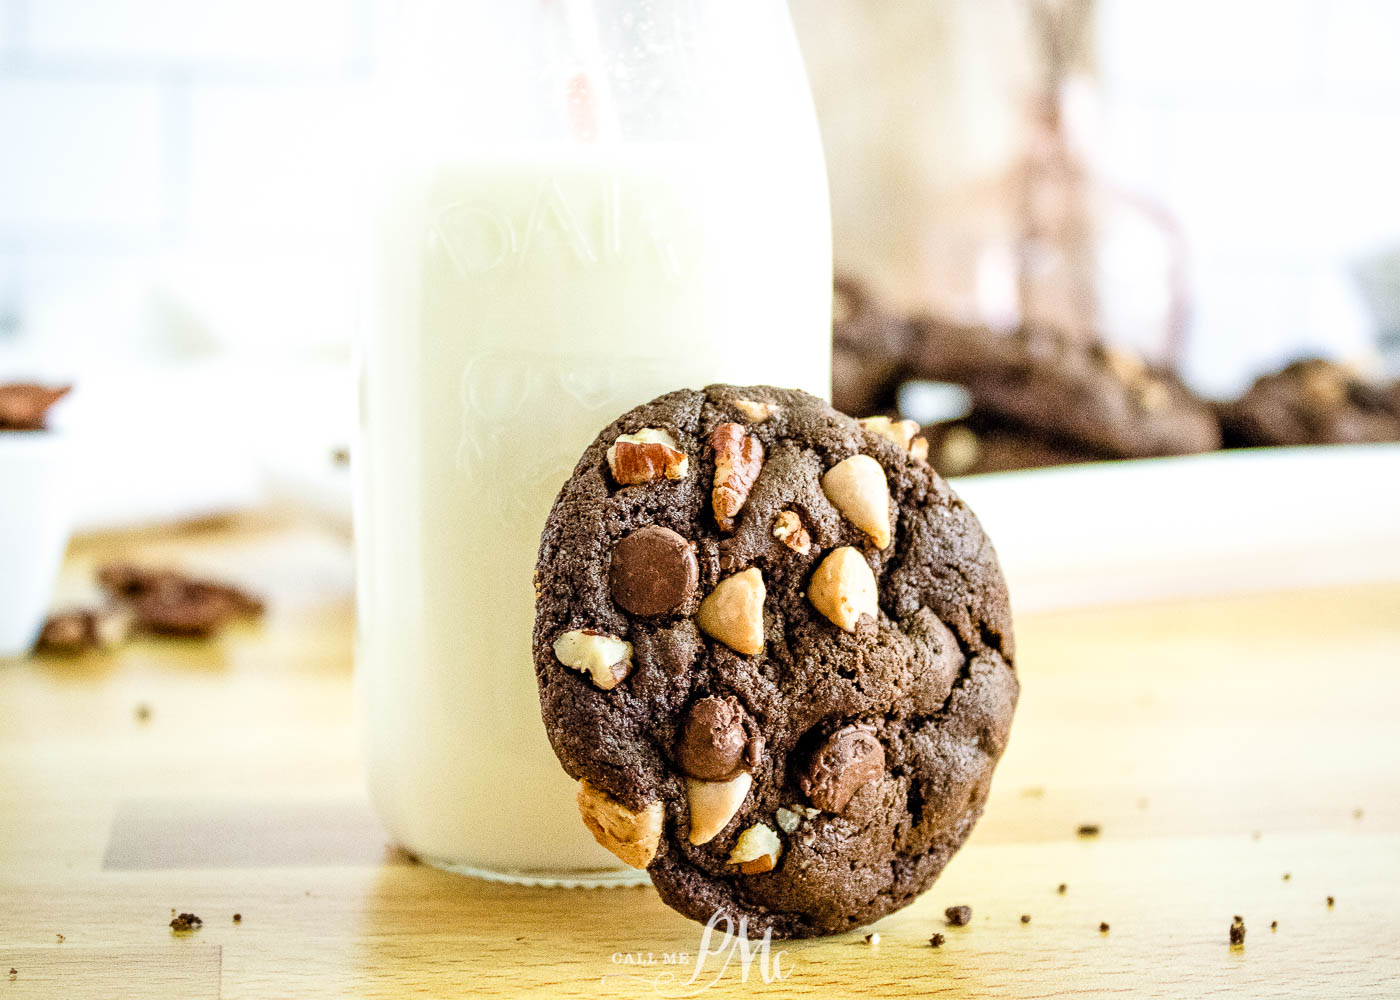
1219,743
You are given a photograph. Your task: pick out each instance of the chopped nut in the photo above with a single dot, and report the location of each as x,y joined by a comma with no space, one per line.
1152,396
958,451
605,658
713,804
1125,367
733,612
873,938
630,834
901,432
738,460
645,456
843,588
858,489
788,529
757,850
788,821
754,409
918,449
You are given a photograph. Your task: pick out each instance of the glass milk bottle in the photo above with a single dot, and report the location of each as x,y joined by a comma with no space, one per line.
581,205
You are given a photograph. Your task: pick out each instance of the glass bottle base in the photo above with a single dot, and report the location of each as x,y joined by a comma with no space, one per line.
599,878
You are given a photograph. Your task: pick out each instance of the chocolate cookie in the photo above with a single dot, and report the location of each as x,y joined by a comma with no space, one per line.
775,650
1312,401
1092,396
981,443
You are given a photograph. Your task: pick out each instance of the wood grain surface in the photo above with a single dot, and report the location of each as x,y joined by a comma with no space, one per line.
1219,744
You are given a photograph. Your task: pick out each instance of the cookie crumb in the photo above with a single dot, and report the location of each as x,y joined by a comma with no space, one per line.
14,974
1088,830
1356,813
1331,901
1142,803
872,938
1025,918
958,916
1033,792
936,941
61,938
1103,927
1287,876
1063,888
1273,926
1237,932
238,918
143,712
186,922
1254,835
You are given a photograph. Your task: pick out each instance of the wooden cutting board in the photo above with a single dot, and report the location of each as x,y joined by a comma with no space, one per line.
1239,755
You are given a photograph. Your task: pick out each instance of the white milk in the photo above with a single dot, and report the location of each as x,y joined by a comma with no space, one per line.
525,302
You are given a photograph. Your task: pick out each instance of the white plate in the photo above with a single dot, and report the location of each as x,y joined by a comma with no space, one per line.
1261,519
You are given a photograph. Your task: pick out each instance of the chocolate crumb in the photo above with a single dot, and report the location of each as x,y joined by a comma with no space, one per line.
1287,876
1063,888
1103,927
1088,830
186,922
238,918
873,938
1273,926
936,941
958,916
1025,918
13,972
1331,901
1237,932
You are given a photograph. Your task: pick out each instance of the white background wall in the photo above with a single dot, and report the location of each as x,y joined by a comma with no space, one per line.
176,175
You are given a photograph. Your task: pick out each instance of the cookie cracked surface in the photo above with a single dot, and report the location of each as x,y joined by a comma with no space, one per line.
816,756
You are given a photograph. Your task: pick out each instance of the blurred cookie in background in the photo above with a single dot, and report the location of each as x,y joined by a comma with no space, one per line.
980,444
1313,401
1093,396
869,348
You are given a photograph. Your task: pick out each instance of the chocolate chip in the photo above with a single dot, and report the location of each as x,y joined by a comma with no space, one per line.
654,571
849,758
717,740
1237,932
958,916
